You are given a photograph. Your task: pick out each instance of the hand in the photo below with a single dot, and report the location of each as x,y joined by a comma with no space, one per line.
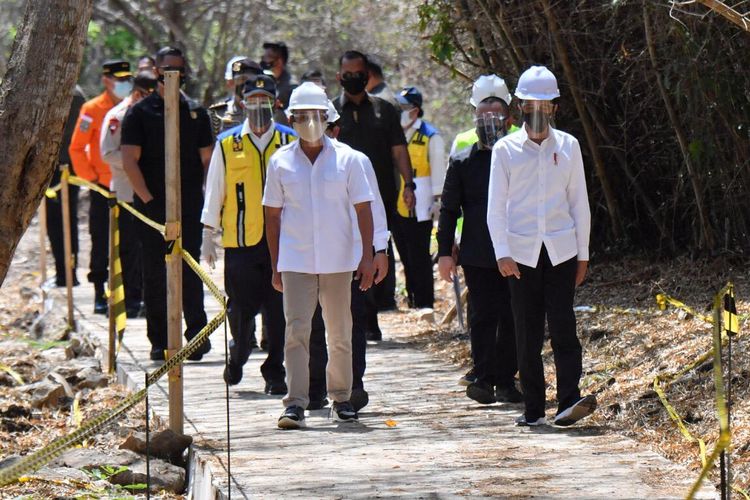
147,199
365,272
208,247
276,282
435,209
583,266
409,199
447,268
380,263
508,267
454,253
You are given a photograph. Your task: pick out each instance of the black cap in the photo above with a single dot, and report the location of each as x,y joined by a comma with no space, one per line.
116,68
279,47
259,85
246,67
411,95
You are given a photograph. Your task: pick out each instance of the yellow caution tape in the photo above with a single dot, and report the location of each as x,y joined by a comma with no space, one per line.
662,300
19,470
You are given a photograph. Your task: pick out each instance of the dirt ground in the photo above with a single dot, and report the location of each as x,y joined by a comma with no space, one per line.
623,352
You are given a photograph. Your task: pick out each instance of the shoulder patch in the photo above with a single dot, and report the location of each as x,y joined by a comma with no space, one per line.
113,125
86,121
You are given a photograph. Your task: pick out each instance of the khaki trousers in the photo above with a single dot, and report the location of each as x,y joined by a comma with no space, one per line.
301,295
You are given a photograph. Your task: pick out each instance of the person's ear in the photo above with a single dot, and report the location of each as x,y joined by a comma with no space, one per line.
335,131
338,76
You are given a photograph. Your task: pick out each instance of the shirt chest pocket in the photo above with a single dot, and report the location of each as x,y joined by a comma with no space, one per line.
293,185
334,184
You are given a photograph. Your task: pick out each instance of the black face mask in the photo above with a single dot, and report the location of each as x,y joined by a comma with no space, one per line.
183,78
537,121
354,84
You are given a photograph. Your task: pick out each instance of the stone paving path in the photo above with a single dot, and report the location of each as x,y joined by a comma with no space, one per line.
439,445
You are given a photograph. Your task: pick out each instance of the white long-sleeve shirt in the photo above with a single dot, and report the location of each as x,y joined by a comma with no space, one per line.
216,182
435,155
109,146
537,195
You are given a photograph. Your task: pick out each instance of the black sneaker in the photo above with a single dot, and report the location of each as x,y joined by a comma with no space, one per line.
468,379
157,353
317,404
344,412
202,349
481,392
232,374
522,421
100,305
276,387
508,394
132,310
359,399
582,408
292,418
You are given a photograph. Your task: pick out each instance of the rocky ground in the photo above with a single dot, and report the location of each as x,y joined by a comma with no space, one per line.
50,383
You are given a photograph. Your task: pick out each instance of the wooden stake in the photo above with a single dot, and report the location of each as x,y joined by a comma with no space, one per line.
110,284
67,246
174,262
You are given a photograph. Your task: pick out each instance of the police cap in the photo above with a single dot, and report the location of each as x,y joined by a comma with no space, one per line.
245,67
116,68
411,95
259,85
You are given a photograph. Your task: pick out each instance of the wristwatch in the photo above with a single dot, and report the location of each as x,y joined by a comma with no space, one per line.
411,185
384,251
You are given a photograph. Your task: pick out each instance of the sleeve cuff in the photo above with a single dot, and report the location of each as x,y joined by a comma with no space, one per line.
272,203
583,253
380,241
210,219
363,199
502,251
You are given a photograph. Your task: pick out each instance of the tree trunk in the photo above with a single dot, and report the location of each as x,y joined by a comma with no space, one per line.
35,97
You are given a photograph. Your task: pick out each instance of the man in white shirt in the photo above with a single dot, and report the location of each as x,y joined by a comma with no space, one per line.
539,221
234,192
311,187
109,145
412,229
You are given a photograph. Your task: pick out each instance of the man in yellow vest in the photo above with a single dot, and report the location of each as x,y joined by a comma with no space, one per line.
412,229
234,191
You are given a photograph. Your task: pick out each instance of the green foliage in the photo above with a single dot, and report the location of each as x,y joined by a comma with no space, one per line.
435,16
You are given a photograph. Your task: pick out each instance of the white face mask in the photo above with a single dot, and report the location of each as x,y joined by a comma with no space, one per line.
406,118
310,126
122,89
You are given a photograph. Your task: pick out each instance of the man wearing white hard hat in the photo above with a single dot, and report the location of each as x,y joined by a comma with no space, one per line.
311,187
493,343
539,220
485,86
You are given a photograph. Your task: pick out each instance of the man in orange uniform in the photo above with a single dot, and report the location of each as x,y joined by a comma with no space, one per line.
88,164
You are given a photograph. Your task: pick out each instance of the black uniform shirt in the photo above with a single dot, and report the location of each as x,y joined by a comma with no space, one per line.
465,190
143,126
373,127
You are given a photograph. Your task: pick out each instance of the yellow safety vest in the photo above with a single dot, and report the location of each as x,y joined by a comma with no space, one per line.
418,147
245,174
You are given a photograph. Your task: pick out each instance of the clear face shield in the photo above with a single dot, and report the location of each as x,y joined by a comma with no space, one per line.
538,115
310,125
259,113
490,128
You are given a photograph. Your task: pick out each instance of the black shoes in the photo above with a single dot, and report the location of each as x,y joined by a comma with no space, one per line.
100,305
580,409
292,418
344,412
317,404
481,392
508,394
232,374
359,399
157,353
276,387
202,349
132,310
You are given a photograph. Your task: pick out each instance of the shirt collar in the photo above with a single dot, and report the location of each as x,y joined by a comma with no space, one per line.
327,144
345,100
523,135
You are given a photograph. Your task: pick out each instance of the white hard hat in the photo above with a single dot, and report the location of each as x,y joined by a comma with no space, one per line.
489,86
308,96
537,83
333,115
228,69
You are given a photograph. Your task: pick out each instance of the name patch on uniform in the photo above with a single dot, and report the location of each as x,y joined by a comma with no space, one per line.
85,123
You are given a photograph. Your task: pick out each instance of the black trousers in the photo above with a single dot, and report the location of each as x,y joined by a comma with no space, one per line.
546,291
319,354
384,293
493,341
154,250
412,240
99,231
247,280
130,259
55,229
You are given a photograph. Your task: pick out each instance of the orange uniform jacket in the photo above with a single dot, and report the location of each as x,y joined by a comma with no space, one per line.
89,164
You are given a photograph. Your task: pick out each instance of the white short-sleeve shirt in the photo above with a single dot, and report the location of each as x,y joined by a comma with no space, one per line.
317,223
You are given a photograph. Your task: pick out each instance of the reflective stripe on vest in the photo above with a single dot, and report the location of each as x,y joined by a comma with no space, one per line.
245,175
419,147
